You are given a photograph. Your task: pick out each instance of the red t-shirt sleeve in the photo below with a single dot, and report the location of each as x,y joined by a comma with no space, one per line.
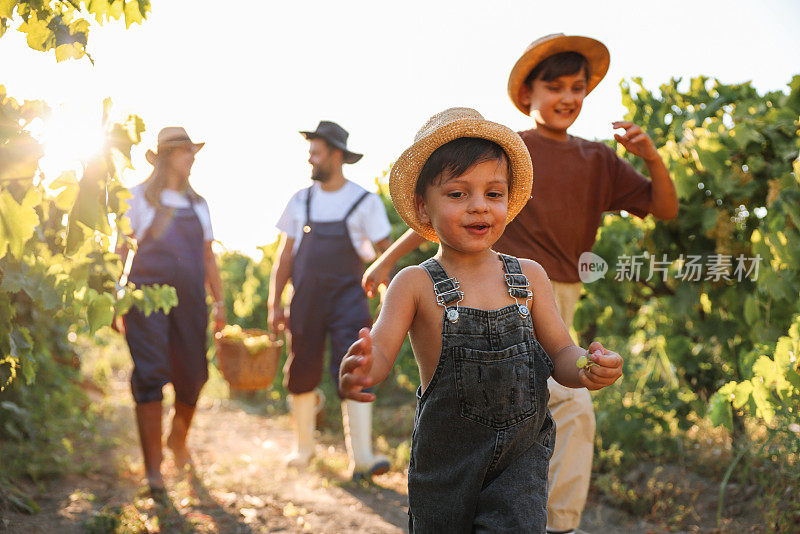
630,188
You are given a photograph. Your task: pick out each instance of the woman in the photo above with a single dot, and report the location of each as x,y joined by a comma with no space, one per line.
172,227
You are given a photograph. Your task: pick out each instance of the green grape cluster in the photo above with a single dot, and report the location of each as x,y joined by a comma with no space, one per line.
584,362
233,332
256,344
253,343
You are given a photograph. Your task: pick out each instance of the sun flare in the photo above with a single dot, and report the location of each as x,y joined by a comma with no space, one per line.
70,136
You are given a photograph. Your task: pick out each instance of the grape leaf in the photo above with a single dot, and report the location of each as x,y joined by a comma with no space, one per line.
761,396
766,369
7,8
17,224
100,312
719,412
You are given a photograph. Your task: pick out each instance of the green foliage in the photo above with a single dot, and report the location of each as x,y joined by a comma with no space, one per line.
28,417
56,267
62,26
58,279
58,276
773,391
731,153
246,283
708,349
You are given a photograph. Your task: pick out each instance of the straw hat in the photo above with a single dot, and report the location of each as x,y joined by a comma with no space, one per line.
170,137
442,128
593,50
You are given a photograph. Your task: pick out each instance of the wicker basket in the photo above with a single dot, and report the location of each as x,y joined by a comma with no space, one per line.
247,371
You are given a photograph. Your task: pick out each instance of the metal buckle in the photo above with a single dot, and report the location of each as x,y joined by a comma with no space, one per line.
448,285
524,293
444,290
445,299
517,280
519,283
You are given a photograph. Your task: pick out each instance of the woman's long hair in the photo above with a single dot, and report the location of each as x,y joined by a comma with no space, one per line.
157,181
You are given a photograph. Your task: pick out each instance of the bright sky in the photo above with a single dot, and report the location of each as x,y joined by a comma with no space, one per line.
246,81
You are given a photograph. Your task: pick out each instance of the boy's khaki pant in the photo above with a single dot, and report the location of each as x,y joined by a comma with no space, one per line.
571,464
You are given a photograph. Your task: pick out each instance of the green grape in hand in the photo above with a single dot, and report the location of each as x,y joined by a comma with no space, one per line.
584,362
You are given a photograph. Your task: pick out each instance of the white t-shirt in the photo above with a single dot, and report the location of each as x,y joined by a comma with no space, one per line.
142,213
366,225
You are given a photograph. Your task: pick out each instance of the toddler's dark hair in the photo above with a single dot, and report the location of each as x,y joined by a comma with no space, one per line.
561,64
452,159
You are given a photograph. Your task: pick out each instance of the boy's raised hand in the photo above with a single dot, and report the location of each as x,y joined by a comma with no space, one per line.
604,367
636,141
355,368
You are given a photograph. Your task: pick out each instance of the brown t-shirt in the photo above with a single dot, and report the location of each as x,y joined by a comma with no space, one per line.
574,182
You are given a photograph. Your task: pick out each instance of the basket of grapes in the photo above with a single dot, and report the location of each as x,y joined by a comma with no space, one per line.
248,358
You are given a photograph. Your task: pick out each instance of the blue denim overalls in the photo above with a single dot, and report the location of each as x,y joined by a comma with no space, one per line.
170,347
328,299
483,435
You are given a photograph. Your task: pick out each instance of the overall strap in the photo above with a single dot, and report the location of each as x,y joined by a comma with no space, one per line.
308,204
161,219
518,285
445,287
355,205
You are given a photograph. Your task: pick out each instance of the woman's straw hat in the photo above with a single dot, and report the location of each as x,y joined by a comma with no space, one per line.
593,50
170,137
440,129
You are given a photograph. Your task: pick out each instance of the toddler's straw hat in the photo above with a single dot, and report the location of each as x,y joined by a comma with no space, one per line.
593,50
440,129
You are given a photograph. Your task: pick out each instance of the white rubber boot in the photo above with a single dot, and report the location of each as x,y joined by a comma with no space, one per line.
357,422
304,413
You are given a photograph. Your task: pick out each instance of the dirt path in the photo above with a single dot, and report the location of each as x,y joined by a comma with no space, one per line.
240,485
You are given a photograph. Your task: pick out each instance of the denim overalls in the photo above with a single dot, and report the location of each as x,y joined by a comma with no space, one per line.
328,299
483,435
170,347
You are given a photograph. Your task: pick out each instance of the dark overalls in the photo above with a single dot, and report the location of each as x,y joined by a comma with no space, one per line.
483,435
170,347
328,299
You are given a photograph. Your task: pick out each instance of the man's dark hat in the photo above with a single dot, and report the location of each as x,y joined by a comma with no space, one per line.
336,136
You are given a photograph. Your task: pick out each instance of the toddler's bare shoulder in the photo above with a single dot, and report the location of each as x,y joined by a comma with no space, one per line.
534,271
411,279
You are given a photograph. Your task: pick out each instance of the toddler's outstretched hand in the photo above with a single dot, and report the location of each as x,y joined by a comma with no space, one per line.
355,368
603,368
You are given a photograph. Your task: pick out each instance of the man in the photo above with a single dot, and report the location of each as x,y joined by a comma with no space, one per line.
327,233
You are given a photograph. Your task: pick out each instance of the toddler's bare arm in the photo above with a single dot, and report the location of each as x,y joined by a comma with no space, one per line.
370,359
554,337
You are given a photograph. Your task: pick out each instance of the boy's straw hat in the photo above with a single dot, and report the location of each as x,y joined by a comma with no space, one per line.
170,137
593,50
443,128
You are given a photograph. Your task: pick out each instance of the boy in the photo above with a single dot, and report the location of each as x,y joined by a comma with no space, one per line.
576,181
483,435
